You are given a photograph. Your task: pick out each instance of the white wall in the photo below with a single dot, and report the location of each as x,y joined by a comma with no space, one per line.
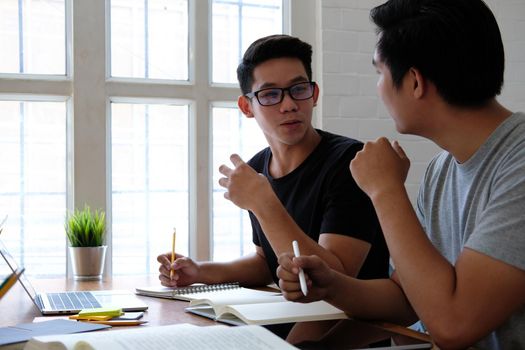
350,103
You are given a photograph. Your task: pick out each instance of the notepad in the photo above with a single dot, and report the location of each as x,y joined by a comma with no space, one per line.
248,306
178,336
185,293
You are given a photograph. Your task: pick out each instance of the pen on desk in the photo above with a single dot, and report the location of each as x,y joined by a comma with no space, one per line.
302,279
173,252
117,322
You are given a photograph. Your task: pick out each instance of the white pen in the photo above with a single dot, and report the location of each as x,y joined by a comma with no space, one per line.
302,279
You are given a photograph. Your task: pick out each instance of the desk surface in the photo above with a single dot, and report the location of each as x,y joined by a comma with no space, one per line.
16,306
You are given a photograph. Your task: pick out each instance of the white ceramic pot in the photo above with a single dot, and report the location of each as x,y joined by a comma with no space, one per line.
88,262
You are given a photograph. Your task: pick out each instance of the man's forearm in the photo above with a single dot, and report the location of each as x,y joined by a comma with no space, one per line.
379,299
280,230
427,278
250,270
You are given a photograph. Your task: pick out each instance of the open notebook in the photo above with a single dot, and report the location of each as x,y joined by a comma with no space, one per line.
233,304
248,306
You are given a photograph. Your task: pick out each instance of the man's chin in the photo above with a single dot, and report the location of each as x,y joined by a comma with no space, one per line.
402,129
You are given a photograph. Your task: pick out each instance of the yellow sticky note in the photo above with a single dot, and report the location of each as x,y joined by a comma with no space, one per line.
101,311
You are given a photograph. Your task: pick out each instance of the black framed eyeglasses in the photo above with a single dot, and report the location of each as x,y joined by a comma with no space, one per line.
273,96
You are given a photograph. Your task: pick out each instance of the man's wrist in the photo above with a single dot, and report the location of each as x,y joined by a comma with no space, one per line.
387,194
204,273
333,291
265,205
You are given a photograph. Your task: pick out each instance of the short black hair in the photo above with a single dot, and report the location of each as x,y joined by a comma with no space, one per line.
456,44
267,48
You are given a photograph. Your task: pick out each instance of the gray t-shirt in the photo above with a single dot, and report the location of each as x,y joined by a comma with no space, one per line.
480,204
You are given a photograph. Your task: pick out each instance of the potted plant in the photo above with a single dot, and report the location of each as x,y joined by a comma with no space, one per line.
86,233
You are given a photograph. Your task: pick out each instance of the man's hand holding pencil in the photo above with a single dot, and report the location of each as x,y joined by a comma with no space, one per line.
177,270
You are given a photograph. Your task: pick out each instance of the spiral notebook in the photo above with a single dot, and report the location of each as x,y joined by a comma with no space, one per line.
195,291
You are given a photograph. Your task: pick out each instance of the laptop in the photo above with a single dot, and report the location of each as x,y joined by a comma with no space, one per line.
74,301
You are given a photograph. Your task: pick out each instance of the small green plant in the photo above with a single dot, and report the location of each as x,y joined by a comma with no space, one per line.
85,228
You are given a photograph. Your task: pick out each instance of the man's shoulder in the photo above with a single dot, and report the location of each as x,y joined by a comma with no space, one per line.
514,130
339,145
440,160
518,117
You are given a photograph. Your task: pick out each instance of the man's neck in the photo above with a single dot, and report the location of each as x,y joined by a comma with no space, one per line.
286,158
463,131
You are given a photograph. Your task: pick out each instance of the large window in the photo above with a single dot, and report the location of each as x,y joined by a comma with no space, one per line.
132,114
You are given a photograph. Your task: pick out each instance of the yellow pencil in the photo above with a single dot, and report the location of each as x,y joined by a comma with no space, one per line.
173,252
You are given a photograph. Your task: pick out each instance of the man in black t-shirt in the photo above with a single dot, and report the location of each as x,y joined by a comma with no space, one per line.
299,188
321,197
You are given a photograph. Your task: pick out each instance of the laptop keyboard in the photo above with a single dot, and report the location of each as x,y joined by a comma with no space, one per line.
73,301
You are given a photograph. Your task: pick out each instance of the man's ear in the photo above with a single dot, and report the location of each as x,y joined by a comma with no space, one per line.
316,94
245,106
419,84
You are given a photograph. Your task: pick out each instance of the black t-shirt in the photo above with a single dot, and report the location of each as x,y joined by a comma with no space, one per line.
322,197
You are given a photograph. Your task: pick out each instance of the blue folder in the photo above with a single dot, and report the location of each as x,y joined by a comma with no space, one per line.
24,332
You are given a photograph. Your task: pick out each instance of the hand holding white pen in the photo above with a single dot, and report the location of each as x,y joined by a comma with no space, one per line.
302,279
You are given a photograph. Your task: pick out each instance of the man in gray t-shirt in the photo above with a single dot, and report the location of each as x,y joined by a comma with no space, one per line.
460,260
480,204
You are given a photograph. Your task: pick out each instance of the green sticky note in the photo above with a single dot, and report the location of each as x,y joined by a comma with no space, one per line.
101,311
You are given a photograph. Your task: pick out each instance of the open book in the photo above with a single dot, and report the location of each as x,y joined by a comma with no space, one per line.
248,306
173,337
